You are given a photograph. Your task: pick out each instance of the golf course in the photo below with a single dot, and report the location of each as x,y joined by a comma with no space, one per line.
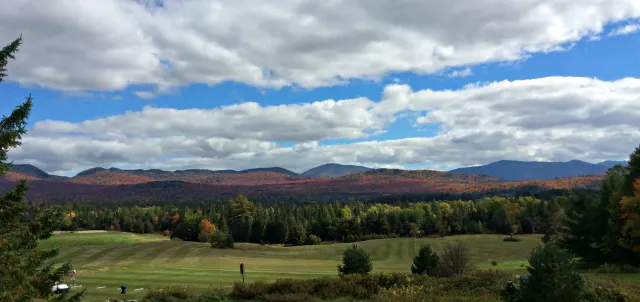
106,260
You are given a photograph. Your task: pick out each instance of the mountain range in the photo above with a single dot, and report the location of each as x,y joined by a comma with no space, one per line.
511,170
508,170
113,184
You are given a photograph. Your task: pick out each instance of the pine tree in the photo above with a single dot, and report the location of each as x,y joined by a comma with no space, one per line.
552,276
26,273
633,172
426,262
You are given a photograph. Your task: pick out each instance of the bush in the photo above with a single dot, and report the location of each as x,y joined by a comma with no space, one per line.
475,286
494,263
355,261
616,269
426,262
168,294
454,260
552,276
312,240
219,240
216,295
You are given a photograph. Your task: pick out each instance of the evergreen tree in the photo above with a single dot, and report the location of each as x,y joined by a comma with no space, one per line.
257,230
633,172
580,236
275,232
297,233
426,262
552,276
229,242
25,272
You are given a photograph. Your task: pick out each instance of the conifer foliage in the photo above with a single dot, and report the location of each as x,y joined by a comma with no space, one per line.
26,273
426,262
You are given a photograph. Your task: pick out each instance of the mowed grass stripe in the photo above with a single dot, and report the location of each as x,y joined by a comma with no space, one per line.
192,258
107,257
172,255
160,253
412,249
68,253
90,253
383,252
123,254
143,252
148,253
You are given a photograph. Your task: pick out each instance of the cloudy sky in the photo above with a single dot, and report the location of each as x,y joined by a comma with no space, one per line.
297,83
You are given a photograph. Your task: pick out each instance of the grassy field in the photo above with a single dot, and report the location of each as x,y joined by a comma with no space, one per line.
106,260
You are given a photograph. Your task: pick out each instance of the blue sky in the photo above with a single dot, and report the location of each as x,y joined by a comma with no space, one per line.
515,95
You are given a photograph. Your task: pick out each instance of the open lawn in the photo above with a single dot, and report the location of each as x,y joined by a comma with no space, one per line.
104,261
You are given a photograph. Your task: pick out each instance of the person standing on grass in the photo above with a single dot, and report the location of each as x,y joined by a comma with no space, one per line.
73,277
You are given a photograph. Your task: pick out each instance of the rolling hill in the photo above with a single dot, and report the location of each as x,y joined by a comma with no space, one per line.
333,170
511,170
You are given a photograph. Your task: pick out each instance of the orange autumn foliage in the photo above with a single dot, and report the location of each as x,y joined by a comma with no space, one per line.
207,229
175,218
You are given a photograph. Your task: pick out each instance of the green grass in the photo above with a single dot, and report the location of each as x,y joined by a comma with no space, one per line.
111,259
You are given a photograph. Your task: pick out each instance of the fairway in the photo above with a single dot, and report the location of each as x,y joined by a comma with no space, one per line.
104,261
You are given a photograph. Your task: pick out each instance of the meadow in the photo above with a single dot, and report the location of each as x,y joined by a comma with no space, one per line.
106,260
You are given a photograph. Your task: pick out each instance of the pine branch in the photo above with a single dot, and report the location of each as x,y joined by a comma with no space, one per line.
7,53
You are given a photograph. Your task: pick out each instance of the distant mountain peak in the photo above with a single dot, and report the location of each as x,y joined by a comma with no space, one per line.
332,170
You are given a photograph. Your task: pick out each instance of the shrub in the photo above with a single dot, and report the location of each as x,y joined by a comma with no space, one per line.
219,240
616,269
355,261
426,262
494,263
607,289
214,295
454,260
552,276
168,294
312,240
229,241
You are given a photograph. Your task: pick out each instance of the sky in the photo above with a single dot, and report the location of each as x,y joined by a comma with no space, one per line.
429,84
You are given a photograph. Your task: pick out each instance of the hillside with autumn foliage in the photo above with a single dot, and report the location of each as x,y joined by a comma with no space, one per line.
113,185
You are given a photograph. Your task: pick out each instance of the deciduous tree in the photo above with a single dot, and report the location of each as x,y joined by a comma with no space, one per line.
355,261
206,230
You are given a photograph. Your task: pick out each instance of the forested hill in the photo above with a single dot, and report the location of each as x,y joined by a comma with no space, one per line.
511,170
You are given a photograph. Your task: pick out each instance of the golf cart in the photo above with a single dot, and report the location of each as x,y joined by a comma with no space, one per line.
60,288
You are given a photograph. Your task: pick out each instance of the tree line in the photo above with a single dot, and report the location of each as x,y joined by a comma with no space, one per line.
303,223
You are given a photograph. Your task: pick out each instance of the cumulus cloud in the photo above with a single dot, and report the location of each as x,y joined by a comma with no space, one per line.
112,44
554,118
625,30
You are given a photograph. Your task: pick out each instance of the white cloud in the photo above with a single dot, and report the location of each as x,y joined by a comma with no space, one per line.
112,44
625,30
555,118
460,73
147,95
